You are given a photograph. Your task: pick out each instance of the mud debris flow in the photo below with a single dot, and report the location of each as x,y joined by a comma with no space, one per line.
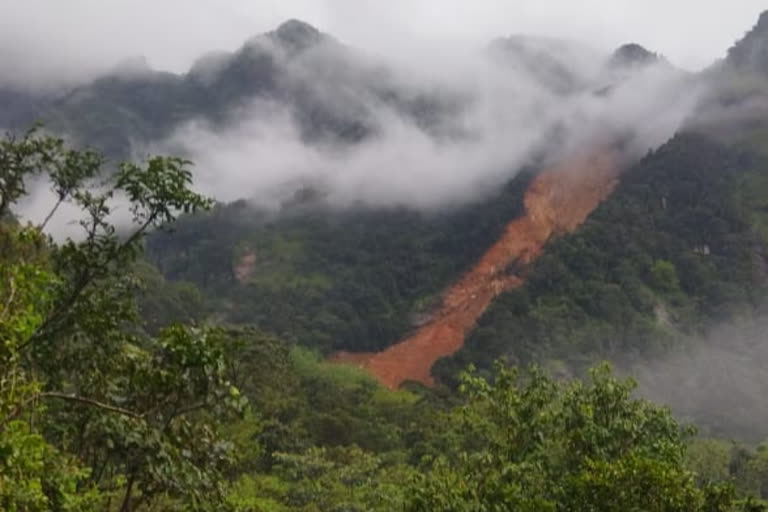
556,202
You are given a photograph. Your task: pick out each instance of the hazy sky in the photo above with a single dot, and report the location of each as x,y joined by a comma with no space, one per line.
45,38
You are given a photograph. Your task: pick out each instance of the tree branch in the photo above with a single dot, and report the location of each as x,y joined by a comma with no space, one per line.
181,412
67,397
91,402
51,213
8,302
91,275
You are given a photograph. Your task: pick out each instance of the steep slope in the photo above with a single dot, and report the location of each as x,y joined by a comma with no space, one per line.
557,201
359,279
680,246
750,54
335,280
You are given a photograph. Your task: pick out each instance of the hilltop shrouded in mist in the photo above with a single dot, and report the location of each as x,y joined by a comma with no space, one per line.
295,108
383,135
751,53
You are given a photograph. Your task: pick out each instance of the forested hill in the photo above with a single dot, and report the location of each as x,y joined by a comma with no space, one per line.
750,54
333,280
677,248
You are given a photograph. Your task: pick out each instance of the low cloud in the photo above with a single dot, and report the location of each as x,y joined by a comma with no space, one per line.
500,116
43,41
719,383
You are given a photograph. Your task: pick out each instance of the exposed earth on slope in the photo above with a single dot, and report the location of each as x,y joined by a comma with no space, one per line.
558,201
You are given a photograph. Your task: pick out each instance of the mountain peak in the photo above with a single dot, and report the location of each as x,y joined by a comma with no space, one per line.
763,20
297,35
751,53
631,55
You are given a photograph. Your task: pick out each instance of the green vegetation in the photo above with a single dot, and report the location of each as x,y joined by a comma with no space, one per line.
325,279
193,377
102,408
92,414
534,444
678,248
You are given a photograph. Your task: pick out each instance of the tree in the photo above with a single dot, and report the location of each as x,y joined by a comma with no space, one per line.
90,409
527,442
664,276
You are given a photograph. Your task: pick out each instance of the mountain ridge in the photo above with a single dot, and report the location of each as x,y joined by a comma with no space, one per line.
147,104
751,52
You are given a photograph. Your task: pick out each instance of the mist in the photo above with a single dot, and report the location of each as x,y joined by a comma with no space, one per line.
497,111
43,43
719,382
493,110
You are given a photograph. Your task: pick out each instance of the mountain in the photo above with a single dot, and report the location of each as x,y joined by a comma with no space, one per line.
678,242
120,109
334,93
557,65
314,354
327,86
632,54
750,54
19,108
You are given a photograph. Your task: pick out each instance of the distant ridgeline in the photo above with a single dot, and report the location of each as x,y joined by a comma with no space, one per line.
134,105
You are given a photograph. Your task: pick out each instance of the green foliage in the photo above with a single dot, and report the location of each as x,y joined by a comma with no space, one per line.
674,250
91,414
527,442
330,279
320,480
750,468
34,476
300,401
664,276
717,461
106,403
319,436
709,459
162,303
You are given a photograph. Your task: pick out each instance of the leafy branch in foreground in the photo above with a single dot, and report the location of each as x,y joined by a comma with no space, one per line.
111,418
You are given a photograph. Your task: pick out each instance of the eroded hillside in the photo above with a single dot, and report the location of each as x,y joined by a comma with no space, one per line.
557,201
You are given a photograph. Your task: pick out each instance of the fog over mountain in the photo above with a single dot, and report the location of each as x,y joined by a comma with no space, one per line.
43,42
428,137
414,255
296,108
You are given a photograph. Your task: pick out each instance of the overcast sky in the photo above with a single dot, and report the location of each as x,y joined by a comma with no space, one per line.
45,38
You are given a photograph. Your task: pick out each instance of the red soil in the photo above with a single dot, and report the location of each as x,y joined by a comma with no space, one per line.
558,201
